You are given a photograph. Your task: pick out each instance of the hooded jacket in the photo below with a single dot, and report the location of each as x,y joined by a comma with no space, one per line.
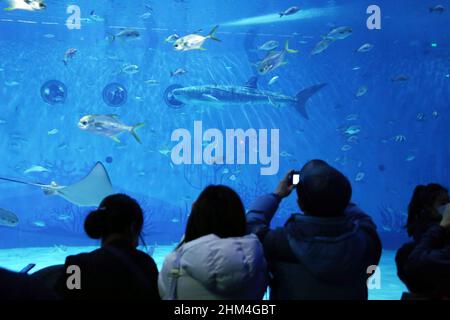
212,268
314,257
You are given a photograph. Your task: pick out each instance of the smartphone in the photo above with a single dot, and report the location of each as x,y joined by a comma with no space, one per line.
295,179
27,268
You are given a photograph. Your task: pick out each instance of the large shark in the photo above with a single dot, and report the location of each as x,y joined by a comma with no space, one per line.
221,95
88,192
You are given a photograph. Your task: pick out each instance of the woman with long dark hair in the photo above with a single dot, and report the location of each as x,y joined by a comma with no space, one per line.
216,258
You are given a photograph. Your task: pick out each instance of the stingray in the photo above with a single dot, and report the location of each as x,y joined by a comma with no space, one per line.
88,192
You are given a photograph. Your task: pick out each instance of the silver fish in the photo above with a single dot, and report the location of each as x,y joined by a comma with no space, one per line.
8,218
269,45
108,125
339,33
290,11
273,60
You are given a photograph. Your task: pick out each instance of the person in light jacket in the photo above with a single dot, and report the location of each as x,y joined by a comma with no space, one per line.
216,260
326,253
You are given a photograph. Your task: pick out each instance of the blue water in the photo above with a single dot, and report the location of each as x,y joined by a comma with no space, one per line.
402,136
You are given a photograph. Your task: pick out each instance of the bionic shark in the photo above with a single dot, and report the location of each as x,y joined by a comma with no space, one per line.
249,94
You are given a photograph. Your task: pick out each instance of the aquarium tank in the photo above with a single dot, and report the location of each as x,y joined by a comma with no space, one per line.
159,99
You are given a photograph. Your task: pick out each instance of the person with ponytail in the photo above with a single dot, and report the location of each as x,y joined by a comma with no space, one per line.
424,212
117,270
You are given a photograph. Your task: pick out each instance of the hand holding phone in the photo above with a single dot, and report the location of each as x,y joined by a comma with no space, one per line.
286,185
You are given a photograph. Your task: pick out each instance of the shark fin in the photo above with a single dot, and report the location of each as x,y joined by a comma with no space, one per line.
252,83
303,96
212,34
91,190
134,133
9,9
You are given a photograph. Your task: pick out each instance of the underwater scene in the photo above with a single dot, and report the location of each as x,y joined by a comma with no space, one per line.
160,98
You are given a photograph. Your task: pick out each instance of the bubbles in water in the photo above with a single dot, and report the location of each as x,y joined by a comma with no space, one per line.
54,92
115,95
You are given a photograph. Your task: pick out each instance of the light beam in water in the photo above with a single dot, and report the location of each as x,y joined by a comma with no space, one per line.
275,18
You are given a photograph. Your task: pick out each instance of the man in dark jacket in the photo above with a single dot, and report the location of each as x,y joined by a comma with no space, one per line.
324,253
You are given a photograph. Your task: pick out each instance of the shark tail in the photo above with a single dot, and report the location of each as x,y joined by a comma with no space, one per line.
212,34
288,50
303,96
134,133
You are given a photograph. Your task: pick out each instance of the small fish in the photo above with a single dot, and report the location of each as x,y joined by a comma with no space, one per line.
94,17
69,54
289,12
194,41
11,83
352,139
360,176
49,36
365,48
410,158
225,171
356,68
130,69
178,72
399,78
352,117
165,152
172,38
340,33
435,114
8,218
352,130
269,45
39,224
399,138
64,217
420,116
52,132
29,5
361,91
145,16
152,82
273,60
321,46
125,34
232,177
273,80
108,125
346,148
285,154
437,9
36,169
